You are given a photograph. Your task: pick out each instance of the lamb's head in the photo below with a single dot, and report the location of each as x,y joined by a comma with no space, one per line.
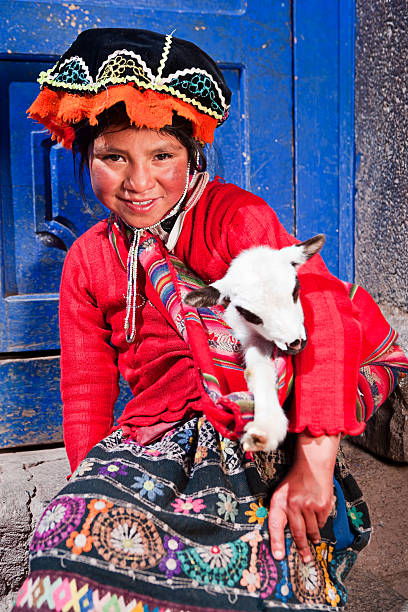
261,294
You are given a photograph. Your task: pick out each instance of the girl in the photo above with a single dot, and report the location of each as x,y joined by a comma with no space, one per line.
163,510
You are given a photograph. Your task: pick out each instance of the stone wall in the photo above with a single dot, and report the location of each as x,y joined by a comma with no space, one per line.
381,126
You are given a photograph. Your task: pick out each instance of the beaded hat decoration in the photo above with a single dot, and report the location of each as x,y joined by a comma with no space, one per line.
152,74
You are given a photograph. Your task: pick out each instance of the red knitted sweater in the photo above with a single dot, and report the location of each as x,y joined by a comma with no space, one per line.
158,366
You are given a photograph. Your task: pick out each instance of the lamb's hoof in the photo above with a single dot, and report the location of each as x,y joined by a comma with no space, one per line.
255,440
264,436
248,375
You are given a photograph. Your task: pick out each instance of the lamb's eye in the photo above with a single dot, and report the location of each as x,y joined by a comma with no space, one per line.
249,316
295,293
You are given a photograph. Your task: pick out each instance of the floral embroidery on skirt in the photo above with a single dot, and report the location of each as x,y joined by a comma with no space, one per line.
182,525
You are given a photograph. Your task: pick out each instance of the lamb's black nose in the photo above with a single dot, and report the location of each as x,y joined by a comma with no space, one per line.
296,346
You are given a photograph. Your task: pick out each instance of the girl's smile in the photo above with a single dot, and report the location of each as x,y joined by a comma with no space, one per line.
138,173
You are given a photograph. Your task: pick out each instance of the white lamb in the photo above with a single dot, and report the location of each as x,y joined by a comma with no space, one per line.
261,294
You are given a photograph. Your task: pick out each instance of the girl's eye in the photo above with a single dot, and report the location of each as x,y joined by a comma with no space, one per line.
163,156
113,157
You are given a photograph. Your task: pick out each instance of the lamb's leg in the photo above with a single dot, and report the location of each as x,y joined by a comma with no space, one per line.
269,427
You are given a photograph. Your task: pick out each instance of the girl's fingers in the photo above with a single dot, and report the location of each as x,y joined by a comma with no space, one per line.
297,525
277,521
312,526
323,514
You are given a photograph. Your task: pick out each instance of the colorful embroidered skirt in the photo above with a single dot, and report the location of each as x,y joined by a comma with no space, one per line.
182,525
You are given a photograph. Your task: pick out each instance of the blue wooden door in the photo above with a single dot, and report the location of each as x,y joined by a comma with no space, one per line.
287,139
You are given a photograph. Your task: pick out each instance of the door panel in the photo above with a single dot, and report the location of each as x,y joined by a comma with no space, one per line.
30,411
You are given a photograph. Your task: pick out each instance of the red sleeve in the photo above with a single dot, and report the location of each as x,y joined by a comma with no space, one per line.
89,374
326,371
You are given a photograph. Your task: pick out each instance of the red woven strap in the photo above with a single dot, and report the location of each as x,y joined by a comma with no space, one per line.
217,374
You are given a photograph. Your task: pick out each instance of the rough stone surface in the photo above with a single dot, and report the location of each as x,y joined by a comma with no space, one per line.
399,320
7,602
28,481
386,433
15,526
377,583
381,125
379,580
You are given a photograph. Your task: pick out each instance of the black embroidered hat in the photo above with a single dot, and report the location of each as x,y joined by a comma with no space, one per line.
152,74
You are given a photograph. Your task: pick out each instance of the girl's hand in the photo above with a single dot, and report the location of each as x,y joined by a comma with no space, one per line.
304,498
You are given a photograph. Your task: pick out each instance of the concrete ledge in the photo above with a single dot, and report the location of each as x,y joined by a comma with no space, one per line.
379,580
28,481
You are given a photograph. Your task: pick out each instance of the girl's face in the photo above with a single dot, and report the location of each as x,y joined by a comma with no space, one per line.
138,173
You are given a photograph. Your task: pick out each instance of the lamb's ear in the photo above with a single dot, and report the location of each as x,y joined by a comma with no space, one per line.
207,296
305,250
